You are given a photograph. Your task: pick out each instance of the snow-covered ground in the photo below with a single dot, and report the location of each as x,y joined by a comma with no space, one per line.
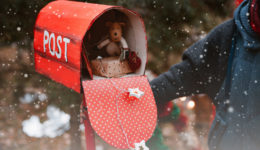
30,97
56,124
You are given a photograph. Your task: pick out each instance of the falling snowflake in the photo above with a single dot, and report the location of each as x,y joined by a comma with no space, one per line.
25,75
18,29
42,96
245,92
230,109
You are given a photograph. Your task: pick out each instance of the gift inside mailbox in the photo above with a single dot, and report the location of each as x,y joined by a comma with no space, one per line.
72,46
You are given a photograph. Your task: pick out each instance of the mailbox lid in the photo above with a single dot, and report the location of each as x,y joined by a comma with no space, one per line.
138,117
57,21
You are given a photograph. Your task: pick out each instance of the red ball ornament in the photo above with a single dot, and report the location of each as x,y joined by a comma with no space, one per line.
181,123
134,61
165,110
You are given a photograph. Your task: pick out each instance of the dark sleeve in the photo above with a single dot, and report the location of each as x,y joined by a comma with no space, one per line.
202,70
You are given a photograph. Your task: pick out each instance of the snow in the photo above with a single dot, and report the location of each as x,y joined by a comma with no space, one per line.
31,97
82,127
56,125
19,29
230,109
28,98
36,106
32,127
25,75
42,97
245,93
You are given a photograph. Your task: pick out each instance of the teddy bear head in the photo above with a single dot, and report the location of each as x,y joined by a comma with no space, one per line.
115,30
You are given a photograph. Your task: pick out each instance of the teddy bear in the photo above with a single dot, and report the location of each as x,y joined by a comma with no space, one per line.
115,44
119,59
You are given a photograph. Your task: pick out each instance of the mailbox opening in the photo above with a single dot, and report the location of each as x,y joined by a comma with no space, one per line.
98,63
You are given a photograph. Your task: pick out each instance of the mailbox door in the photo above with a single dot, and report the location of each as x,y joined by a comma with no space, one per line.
116,117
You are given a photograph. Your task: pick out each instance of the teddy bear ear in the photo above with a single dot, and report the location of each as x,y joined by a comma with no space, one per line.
109,23
122,24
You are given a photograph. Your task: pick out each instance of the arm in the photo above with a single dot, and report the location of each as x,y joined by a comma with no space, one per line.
103,43
202,70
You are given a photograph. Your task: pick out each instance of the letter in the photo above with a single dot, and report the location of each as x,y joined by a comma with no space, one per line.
59,40
45,39
66,40
52,51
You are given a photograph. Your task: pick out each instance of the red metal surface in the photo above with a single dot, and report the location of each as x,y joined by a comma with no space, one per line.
66,20
67,75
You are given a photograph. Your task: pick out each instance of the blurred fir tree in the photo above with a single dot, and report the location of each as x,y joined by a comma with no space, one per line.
169,23
169,26
17,20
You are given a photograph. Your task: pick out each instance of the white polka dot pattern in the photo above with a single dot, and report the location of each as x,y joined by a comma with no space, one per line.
138,116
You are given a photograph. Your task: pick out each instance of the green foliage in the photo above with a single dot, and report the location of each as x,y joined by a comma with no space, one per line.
164,20
17,20
156,141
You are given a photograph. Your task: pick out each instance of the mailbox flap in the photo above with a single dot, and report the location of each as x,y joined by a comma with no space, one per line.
117,114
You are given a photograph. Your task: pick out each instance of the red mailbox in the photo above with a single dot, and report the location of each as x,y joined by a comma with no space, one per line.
61,47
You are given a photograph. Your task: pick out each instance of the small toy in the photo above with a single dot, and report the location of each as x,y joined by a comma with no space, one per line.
134,61
115,45
119,60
